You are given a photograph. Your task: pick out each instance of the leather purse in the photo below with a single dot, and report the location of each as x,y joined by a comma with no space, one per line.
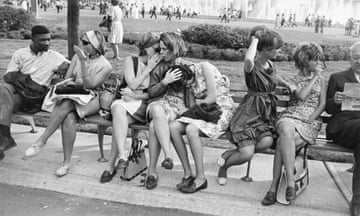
136,161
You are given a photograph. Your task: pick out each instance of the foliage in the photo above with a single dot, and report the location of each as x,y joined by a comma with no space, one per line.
14,19
222,37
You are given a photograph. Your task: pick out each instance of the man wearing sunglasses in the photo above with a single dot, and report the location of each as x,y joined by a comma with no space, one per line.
37,61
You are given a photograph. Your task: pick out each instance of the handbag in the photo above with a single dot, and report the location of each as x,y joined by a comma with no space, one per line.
136,161
207,112
71,89
301,179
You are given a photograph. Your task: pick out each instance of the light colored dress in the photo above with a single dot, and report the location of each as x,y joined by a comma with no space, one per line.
298,111
117,31
223,98
135,107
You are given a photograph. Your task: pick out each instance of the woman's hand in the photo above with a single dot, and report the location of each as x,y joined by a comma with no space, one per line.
153,61
172,76
80,53
127,92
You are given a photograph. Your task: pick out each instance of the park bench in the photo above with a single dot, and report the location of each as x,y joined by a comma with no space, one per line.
322,144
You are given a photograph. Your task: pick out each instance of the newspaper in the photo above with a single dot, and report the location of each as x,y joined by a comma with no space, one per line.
352,100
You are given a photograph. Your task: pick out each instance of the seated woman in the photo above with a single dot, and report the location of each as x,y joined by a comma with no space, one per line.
131,108
165,104
208,86
89,68
299,123
252,126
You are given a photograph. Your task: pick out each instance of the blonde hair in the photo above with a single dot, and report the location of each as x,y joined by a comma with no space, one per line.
174,42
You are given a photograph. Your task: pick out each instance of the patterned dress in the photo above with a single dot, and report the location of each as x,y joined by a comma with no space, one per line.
256,114
299,111
223,98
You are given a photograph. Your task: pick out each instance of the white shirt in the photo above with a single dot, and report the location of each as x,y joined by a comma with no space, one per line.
40,67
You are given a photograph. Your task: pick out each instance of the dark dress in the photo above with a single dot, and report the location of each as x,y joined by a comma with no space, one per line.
255,116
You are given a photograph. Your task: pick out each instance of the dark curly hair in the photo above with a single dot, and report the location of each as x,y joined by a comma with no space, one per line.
268,39
187,74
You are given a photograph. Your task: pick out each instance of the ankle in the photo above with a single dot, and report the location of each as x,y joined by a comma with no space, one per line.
5,130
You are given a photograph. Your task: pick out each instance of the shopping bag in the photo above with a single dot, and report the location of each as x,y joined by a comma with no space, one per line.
301,179
136,161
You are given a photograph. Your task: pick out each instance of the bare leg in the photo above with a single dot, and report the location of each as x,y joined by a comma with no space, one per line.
154,149
121,121
57,117
161,126
277,165
192,133
288,140
68,134
113,155
177,129
115,49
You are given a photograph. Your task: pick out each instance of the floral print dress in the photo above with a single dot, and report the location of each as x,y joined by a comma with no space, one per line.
298,111
223,99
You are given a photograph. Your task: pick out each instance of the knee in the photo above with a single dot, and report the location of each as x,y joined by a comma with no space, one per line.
118,110
175,126
157,111
247,152
192,131
285,128
66,106
69,121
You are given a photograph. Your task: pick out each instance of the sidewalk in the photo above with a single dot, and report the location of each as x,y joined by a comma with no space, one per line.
322,197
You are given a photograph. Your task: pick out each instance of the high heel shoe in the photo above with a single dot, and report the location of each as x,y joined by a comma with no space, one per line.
290,193
269,199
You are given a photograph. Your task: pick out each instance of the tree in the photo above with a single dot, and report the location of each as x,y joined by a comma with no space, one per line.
73,25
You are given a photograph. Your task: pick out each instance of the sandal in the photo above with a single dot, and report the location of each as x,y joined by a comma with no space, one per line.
167,163
32,151
269,199
151,182
192,187
63,170
185,182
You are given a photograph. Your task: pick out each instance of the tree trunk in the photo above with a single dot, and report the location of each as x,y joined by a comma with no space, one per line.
73,25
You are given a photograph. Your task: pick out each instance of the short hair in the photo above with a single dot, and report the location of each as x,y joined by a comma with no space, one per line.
115,2
148,40
268,39
174,42
353,46
39,29
305,52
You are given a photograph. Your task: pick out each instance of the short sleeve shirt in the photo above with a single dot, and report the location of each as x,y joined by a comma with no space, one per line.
39,66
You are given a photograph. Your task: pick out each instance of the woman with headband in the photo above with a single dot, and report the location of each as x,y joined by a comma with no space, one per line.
300,122
90,69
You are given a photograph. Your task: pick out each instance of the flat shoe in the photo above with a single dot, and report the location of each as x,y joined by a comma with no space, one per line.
192,187
269,199
107,176
151,182
33,150
63,170
290,193
185,182
221,180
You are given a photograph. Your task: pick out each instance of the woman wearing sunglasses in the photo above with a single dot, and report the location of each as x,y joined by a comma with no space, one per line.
89,68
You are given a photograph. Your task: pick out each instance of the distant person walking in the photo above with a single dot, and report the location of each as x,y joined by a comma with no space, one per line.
277,21
317,24
322,23
153,12
117,31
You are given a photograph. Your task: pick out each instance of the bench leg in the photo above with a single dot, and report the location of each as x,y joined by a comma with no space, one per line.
101,133
31,121
247,178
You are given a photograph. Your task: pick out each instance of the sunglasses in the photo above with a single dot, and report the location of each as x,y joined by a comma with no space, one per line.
85,42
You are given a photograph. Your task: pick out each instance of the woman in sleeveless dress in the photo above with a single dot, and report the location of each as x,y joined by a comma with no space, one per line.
116,33
131,108
300,122
251,128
